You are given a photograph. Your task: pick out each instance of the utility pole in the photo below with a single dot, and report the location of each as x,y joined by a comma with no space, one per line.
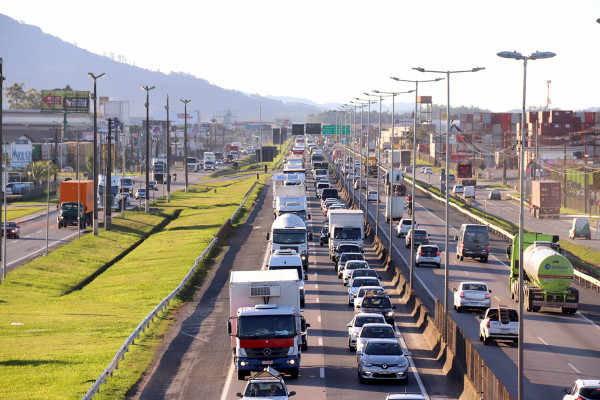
108,185
548,82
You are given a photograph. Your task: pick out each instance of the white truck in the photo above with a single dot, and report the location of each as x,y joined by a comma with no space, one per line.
209,161
192,164
501,323
289,232
345,226
116,185
265,321
289,259
290,199
394,208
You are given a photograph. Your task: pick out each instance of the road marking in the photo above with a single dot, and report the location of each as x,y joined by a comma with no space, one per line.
319,318
227,383
497,298
588,320
322,373
543,341
316,300
320,341
315,273
413,368
574,369
466,272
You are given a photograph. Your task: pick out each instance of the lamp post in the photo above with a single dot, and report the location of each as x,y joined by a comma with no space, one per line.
414,172
147,104
365,169
518,56
95,167
2,162
169,154
185,143
447,244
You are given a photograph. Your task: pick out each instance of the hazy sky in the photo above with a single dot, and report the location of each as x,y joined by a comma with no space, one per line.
333,51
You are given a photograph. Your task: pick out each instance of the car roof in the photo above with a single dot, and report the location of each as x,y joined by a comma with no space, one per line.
368,314
429,245
378,325
405,396
473,282
357,261
588,382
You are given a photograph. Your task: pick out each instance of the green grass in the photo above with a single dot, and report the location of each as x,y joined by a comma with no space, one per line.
76,313
248,164
18,212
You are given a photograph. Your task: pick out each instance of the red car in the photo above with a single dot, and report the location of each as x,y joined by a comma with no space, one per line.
12,229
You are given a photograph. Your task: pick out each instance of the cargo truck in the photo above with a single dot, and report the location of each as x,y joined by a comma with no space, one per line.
464,174
71,193
159,169
289,232
394,208
289,259
548,274
545,199
393,183
209,161
347,227
265,321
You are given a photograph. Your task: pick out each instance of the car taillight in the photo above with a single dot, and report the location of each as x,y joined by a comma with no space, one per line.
437,253
419,252
487,324
487,295
461,294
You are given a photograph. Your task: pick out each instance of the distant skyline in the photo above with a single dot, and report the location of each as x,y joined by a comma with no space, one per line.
332,51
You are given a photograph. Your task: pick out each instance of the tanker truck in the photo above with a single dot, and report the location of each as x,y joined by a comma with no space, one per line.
548,274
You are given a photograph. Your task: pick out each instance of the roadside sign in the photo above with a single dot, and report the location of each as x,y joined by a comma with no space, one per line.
65,100
598,229
336,129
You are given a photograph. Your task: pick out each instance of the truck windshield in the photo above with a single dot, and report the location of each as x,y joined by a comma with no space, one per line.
266,326
289,236
347,233
70,206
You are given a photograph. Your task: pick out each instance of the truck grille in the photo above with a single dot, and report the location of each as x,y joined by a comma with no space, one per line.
275,352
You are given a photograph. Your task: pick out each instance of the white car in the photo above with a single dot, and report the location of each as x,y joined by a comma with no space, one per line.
423,169
428,254
350,267
357,323
367,290
404,226
355,284
405,396
472,295
267,385
140,193
458,189
381,330
428,170
372,195
584,389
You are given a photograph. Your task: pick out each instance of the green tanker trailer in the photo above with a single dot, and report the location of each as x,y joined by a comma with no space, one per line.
548,274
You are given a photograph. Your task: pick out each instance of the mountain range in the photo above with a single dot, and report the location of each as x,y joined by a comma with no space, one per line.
44,62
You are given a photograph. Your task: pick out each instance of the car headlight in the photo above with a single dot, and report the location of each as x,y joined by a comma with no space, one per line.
291,362
303,257
403,364
389,314
366,364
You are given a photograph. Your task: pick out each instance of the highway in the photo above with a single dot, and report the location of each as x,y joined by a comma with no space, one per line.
558,348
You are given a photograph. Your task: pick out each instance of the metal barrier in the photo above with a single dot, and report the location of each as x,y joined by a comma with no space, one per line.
480,375
162,306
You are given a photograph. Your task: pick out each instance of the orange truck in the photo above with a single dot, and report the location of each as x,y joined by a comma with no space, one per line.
71,193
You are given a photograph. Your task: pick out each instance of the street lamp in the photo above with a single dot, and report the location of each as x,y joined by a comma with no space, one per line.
446,188
414,171
168,154
2,170
185,142
95,168
360,176
518,56
147,104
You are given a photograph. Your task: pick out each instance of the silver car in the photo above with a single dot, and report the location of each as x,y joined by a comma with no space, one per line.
350,266
428,254
371,331
358,322
382,359
355,285
472,295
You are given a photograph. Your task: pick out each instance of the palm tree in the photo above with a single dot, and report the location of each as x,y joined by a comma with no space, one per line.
38,171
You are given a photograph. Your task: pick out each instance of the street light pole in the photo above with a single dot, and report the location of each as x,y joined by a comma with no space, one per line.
168,154
518,56
2,168
414,173
447,172
95,167
185,142
147,104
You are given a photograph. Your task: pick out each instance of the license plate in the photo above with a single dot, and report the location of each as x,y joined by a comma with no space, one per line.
267,362
384,372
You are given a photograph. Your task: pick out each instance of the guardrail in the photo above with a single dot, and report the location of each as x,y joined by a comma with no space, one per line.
114,364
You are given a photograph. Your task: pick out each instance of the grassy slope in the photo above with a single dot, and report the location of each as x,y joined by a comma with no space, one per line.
68,337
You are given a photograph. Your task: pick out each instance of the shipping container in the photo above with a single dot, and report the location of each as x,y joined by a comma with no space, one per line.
486,118
505,118
515,118
495,118
543,116
477,119
530,117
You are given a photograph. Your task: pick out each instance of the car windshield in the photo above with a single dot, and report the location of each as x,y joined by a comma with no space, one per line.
264,389
429,251
360,321
356,265
364,272
382,332
475,286
348,248
361,292
351,256
407,221
14,224
591,393
365,282
376,302
383,349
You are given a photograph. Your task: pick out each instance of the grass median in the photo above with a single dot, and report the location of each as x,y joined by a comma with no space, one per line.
65,316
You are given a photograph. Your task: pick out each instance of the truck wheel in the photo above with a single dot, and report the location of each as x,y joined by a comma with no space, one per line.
304,346
480,337
484,259
241,375
486,341
461,258
301,302
59,225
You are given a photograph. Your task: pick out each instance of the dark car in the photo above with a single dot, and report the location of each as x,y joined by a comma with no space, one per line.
12,230
364,272
341,262
495,195
379,304
420,237
346,248
323,238
329,193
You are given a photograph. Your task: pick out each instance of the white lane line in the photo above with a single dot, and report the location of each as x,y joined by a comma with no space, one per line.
497,298
588,320
319,318
315,273
322,373
543,341
227,382
466,273
413,368
320,341
316,286
578,372
316,300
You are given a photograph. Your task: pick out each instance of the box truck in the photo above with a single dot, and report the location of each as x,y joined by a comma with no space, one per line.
345,226
71,193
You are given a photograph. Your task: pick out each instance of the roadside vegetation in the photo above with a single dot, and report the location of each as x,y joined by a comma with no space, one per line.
66,315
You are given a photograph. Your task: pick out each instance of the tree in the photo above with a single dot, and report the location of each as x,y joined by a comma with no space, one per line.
19,99
38,171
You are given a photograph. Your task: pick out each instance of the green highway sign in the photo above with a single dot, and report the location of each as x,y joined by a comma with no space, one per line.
335,129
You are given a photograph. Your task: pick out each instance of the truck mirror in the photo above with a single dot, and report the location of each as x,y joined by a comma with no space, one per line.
480,316
308,325
292,393
490,290
308,216
455,237
310,236
508,251
229,327
239,395
268,235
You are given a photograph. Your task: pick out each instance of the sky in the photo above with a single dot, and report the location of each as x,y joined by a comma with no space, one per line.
331,51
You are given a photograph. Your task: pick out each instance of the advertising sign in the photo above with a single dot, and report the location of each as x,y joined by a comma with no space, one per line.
66,100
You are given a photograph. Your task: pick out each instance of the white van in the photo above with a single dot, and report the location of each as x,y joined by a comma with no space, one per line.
469,192
580,228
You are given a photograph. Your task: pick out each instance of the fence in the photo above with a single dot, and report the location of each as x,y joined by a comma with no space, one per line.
162,306
480,375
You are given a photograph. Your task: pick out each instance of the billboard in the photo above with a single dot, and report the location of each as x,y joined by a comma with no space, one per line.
297,129
313,129
66,100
